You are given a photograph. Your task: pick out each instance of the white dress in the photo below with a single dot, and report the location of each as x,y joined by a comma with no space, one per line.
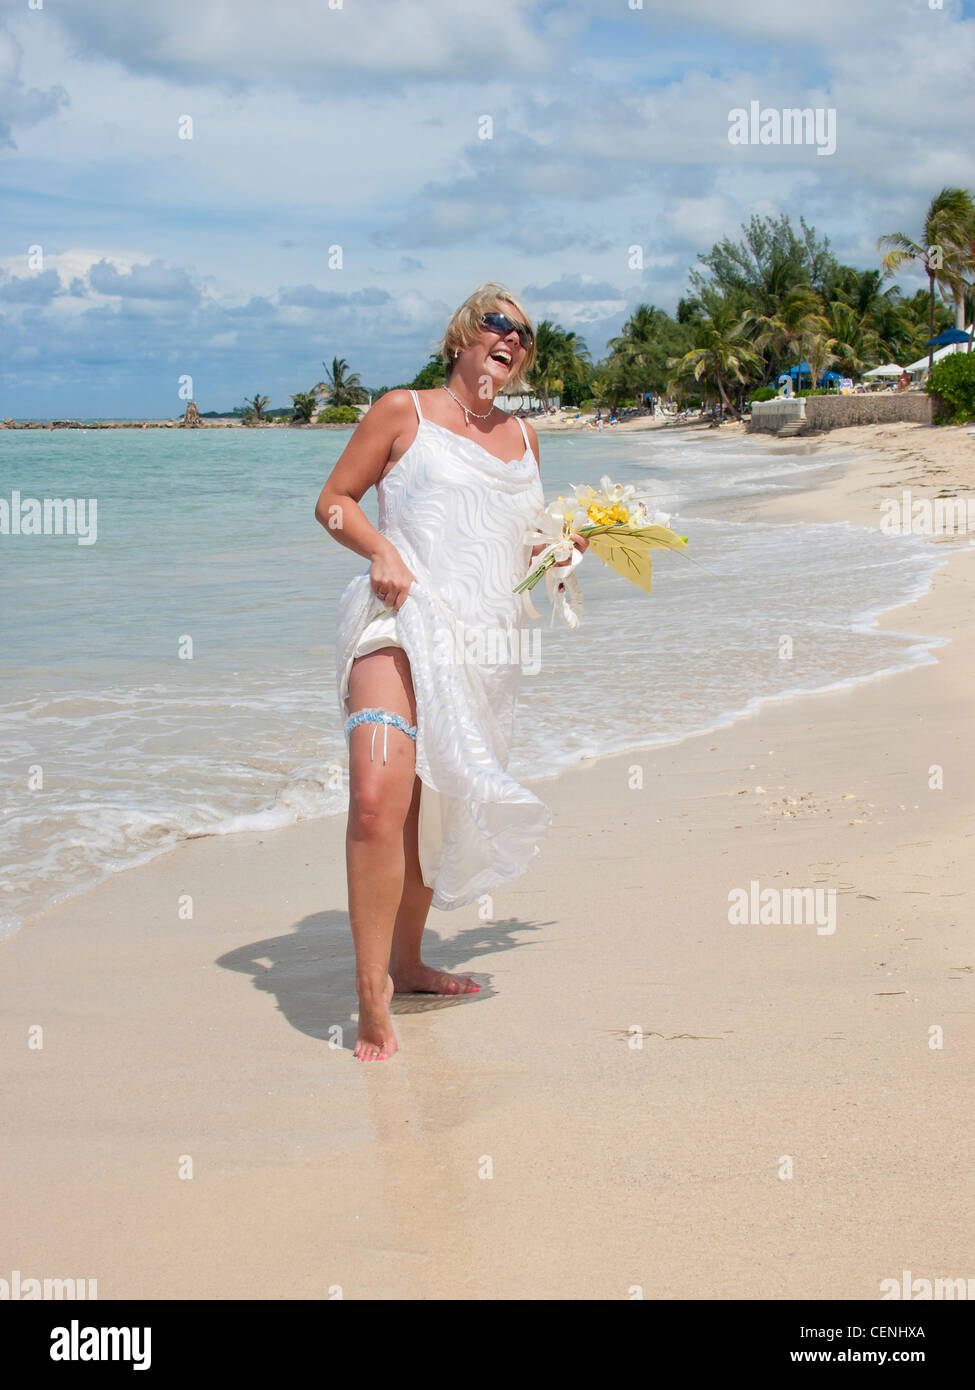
458,516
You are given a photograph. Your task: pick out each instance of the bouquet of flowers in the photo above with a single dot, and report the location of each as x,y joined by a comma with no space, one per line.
620,529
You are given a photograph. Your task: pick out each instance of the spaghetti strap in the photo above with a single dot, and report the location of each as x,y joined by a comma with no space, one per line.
524,432
416,402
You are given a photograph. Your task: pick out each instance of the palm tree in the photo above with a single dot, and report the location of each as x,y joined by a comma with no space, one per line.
612,384
949,227
305,405
576,361
797,320
915,313
899,325
959,269
722,357
338,388
856,344
560,355
256,407
821,355
647,342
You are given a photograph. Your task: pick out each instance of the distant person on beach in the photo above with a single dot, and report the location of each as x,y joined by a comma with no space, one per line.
434,818
903,381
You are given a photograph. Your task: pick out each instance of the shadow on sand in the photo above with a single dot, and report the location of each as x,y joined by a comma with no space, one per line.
311,970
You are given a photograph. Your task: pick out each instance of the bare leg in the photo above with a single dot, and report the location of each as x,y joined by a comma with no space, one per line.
408,972
380,795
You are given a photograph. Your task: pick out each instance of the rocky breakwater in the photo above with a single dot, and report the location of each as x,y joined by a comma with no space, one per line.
119,424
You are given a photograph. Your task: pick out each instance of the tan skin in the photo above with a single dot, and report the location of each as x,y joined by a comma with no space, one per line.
388,900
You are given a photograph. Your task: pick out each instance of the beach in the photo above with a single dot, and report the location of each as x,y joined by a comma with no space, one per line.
645,1097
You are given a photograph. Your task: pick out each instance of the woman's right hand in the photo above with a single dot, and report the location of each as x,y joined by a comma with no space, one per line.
390,578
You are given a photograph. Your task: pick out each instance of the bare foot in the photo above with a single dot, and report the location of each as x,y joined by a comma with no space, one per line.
376,1041
423,979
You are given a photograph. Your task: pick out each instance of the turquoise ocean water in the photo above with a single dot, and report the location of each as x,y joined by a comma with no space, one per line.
115,743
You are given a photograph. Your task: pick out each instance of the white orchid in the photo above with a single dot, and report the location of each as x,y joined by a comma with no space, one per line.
614,498
551,528
620,529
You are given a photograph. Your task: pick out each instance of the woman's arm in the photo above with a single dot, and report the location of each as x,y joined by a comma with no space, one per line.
380,435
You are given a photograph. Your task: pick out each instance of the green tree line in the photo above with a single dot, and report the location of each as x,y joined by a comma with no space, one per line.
757,305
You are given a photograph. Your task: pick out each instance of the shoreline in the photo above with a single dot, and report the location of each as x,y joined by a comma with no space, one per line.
729,508
751,1042
771,505
177,423
564,421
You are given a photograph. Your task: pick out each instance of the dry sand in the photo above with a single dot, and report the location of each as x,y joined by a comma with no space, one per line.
524,1143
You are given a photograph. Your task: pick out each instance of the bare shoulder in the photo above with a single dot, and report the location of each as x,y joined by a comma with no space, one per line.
383,426
392,409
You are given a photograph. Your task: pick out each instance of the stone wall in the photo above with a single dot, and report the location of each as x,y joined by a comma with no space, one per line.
768,417
834,412
815,413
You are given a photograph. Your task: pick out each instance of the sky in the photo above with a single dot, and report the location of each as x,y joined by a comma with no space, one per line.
224,194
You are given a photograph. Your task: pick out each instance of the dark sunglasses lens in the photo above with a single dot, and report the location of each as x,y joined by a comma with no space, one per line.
502,324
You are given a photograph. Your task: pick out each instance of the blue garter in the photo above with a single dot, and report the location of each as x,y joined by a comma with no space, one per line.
377,717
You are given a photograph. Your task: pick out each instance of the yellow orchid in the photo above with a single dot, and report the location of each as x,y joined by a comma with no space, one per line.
617,524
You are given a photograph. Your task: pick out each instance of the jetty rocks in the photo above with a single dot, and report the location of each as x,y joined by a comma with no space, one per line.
89,424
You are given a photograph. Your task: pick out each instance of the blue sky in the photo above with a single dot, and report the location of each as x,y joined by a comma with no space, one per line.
360,126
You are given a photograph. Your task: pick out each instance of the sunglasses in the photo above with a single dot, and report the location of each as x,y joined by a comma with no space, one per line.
500,323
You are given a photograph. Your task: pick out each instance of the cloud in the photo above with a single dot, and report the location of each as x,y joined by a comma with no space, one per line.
31,289
307,44
21,105
699,221
359,127
310,297
836,21
118,337
574,287
152,281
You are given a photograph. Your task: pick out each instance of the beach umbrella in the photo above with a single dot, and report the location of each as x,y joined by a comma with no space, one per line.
828,377
891,369
807,371
950,335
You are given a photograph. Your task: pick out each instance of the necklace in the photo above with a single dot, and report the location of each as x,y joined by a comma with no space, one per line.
467,413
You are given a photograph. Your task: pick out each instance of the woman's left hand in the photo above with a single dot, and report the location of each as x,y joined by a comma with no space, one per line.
580,542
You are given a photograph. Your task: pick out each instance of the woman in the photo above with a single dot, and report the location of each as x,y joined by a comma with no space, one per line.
433,816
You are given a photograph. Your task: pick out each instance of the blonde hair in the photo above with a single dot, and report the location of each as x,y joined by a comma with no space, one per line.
465,327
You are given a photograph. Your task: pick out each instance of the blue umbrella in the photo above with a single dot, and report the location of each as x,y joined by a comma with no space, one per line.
807,371
949,336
